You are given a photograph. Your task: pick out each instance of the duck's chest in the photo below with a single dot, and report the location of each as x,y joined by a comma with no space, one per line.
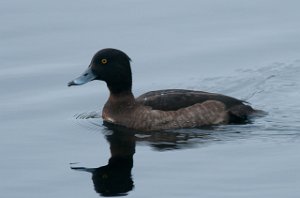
119,113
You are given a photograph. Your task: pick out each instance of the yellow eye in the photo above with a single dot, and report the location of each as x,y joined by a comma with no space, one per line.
104,61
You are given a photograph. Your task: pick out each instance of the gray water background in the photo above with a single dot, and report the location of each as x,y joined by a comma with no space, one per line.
246,49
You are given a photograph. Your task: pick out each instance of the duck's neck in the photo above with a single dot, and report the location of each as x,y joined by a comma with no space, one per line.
119,88
123,97
121,84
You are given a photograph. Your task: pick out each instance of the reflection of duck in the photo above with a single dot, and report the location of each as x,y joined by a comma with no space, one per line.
157,110
167,140
115,178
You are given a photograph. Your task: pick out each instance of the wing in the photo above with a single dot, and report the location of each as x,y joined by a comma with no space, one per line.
174,99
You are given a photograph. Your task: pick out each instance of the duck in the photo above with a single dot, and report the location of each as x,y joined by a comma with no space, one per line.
161,109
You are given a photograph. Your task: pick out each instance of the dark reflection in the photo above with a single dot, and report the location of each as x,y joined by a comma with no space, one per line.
115,178
168,140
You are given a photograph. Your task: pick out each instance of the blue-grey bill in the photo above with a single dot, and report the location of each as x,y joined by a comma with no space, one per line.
87,76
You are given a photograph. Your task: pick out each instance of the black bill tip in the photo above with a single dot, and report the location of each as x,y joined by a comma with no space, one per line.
71,83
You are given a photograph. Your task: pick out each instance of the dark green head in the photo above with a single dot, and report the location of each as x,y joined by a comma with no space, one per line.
111,66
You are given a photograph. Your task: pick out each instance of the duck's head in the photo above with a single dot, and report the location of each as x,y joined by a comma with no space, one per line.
111,66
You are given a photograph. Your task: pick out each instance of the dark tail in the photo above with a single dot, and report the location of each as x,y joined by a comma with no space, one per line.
242,114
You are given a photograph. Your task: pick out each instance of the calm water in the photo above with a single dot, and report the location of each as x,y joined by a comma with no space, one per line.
249,50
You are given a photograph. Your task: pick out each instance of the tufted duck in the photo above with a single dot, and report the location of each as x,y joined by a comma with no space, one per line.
157,110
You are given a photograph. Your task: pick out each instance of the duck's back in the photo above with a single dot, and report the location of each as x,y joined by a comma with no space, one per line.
175,99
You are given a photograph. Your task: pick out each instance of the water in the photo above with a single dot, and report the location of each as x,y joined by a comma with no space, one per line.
248,50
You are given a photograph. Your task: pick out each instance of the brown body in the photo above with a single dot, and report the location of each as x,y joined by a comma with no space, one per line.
172,109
